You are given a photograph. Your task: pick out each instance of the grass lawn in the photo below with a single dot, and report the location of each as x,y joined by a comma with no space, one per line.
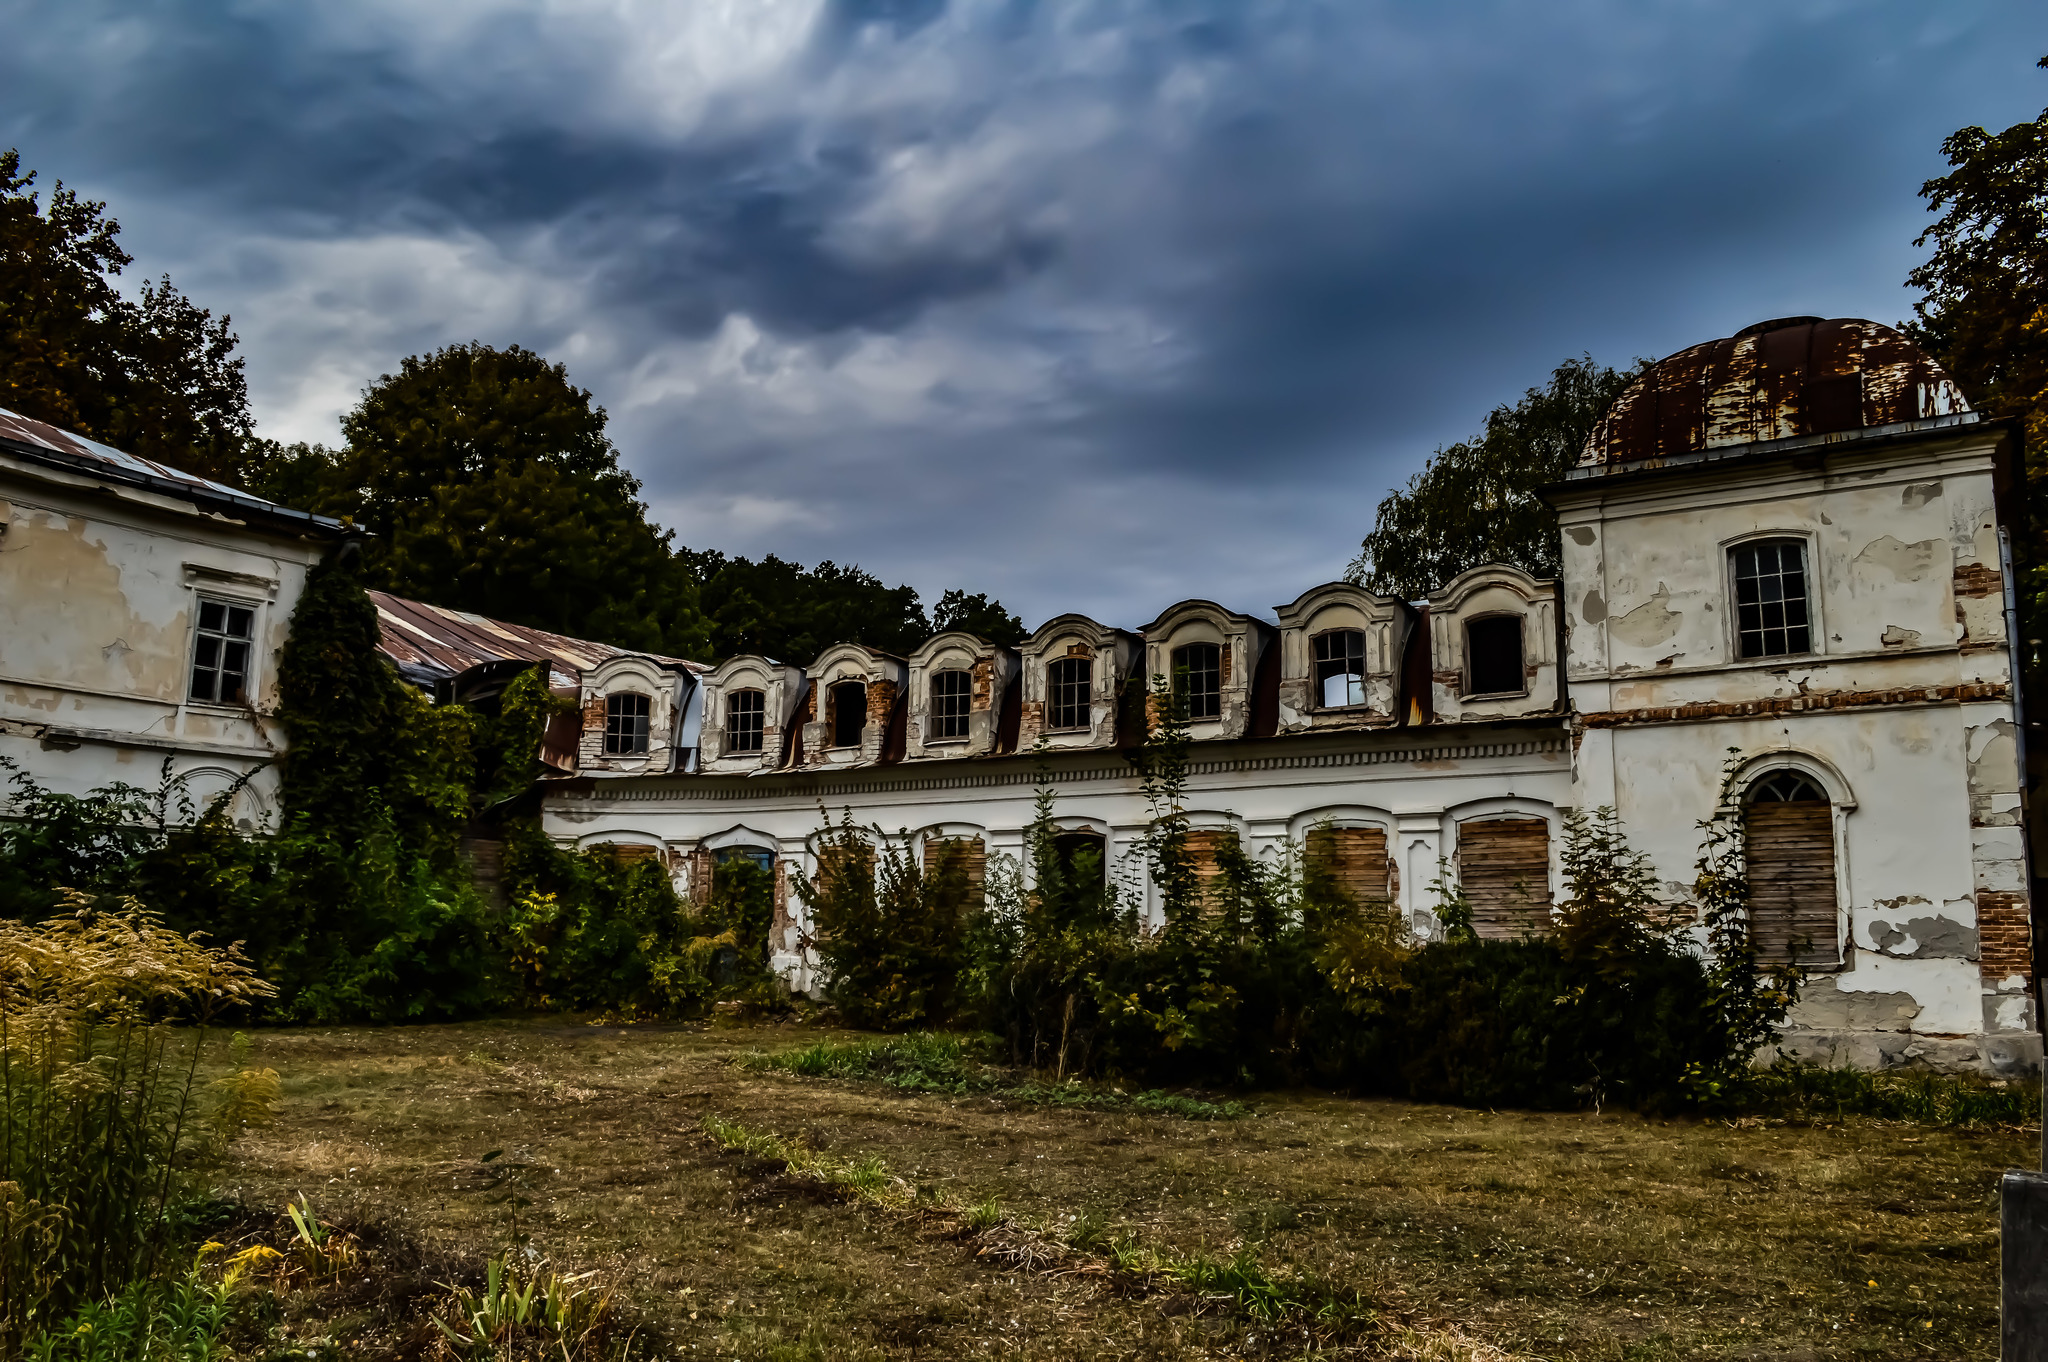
1538,1234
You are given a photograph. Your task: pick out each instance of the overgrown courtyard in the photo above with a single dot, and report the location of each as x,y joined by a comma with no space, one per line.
1428,1231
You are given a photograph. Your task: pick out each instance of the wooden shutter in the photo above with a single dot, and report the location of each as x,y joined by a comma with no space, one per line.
1791,859
1358,859
975,855
1504,869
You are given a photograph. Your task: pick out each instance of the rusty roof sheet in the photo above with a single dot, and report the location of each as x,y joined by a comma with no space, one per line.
90,455
1776,380
431,642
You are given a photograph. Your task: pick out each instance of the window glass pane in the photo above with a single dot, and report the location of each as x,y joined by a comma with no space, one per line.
1340,668
1198,679
745,711
1493,656
238,621
210,614
1070,679
1770,599
220,652
626,725
951,702
202,683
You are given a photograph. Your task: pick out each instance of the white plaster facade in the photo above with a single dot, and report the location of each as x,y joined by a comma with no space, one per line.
106,562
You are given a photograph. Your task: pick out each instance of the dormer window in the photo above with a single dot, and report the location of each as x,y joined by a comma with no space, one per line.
1770,598
849,712
220,653
626,724
952,694
1340,668
1198,679
745,712
1493,656
1068,682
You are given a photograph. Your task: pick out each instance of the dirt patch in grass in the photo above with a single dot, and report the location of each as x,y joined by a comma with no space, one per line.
1543,1235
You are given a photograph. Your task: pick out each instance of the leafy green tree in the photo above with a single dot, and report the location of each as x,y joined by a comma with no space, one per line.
1984,315
490,485
978,615
1475,502
785,610
155,375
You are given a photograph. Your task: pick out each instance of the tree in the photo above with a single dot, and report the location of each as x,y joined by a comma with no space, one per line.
1984,315
785,610
978,615
155,375
490,485
1474,502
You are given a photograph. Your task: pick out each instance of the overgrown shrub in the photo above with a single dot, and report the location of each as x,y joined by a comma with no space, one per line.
100,1094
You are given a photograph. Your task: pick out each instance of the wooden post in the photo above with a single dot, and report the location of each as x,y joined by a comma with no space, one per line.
2023,1267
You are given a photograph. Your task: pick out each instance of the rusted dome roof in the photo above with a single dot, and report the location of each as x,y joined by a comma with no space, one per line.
1771,381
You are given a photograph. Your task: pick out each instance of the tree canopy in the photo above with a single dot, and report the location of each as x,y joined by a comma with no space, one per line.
155,375
1474,502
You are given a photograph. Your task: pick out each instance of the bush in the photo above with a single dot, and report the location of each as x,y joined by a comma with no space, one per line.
99,1096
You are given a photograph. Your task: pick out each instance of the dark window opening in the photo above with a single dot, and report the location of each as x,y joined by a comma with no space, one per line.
1069,680
951,694
761,857
1787,787
1340,668
745,713
1770,599
1493,656
1085,853
625,724
220,653
1198,679
849,712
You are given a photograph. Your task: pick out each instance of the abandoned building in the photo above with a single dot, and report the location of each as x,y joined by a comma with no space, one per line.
1786,585
1786,582
142,611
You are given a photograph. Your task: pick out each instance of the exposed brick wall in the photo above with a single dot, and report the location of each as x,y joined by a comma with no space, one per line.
1799,704
2005,939
1975,579
881,699
781,930
702,868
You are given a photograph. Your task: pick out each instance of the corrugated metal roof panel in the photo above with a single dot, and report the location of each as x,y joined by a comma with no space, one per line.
433,639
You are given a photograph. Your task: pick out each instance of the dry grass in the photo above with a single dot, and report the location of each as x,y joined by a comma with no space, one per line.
1479,1235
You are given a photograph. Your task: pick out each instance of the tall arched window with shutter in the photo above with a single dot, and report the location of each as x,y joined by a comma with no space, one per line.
1790,852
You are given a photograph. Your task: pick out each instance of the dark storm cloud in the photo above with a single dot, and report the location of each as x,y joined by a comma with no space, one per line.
1024,296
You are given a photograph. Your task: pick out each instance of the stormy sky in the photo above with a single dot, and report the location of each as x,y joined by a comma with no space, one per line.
1093,306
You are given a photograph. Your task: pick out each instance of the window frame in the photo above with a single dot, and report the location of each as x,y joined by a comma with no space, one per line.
250,673
1087,693
938,706
760,716
832,694
613,735
1521,619
1809,562
1175,670
1315,663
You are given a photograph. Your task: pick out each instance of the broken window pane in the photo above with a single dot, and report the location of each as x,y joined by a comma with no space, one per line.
951,692
1198,679
1493,656
1069,680
1770,598
1340,668
849,712
744,712
220,653
625,724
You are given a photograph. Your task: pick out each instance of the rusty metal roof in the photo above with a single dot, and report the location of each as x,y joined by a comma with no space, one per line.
1776,380
430,643
51,444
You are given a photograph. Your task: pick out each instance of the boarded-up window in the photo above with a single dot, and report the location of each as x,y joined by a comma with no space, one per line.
1204,851
1357,857
1504,869
973,856
1791,858
629,852
839,858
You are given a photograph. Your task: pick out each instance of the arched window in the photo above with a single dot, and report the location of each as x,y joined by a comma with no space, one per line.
1068,681
1771,611
849,712
745,711
1340,668
1493,656
763,857
1198,679
1790,852
952,693
1087,852
625,724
